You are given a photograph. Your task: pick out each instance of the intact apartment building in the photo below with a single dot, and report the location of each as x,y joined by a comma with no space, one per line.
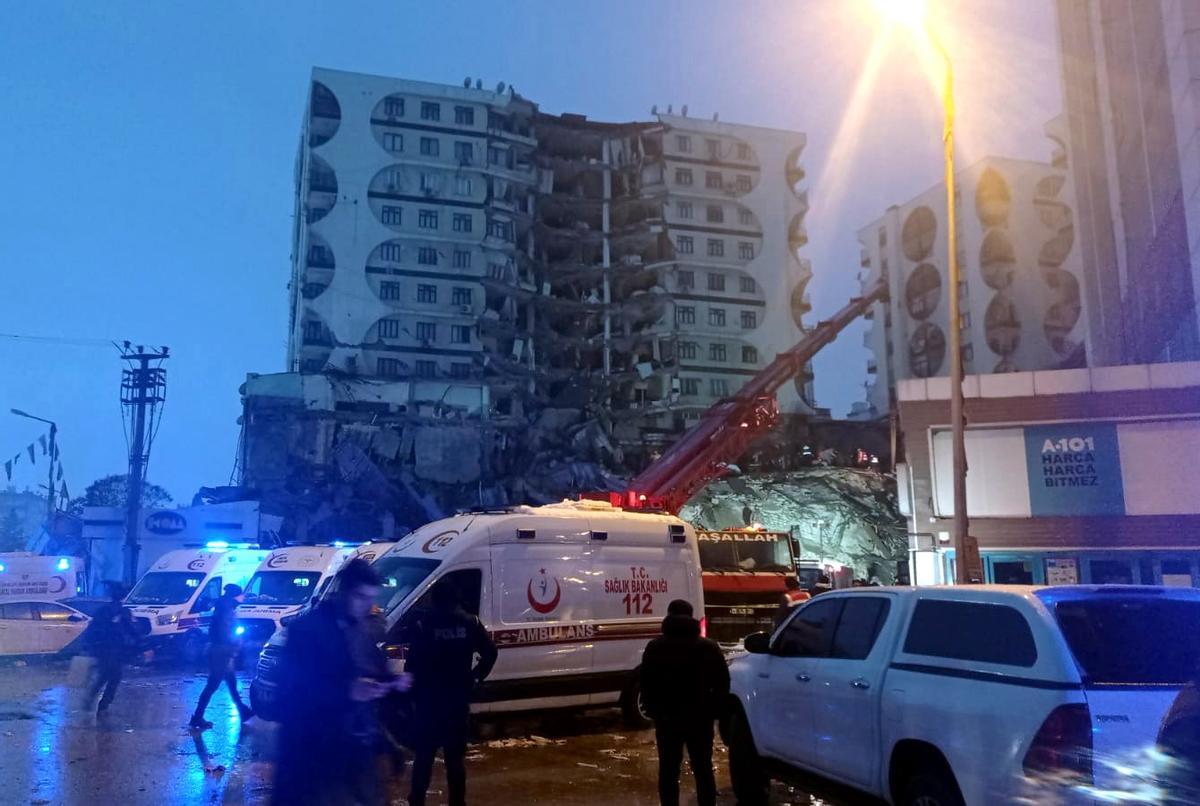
1021,306
456,238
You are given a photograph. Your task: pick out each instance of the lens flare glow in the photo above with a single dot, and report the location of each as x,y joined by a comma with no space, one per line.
909,13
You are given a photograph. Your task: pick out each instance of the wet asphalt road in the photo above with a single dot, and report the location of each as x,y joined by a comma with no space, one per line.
53,751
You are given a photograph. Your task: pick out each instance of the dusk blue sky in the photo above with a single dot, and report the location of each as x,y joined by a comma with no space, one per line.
149,150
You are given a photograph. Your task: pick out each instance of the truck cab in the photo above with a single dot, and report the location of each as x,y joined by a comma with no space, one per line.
744,573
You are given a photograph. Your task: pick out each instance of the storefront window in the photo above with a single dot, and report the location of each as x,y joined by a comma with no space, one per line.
1012,572
1177,573
1111,572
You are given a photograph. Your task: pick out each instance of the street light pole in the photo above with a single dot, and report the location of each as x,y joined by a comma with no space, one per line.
50,485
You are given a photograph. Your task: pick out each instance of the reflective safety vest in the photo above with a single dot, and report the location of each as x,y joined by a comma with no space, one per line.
796,597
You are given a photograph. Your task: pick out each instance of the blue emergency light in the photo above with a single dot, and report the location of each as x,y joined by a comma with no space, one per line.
63,563
217,544
239,630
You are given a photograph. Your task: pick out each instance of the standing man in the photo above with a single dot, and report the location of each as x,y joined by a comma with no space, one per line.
685,687
110,638
327,750
791,597
441,661
223,650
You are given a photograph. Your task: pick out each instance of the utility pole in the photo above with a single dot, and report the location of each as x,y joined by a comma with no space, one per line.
143,390
50,503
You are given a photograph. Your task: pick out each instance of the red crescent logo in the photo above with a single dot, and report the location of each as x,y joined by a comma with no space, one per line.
62,584
543,607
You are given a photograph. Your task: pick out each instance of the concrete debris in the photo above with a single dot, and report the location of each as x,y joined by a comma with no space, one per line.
447,455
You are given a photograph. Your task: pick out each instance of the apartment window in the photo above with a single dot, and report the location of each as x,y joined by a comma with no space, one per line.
716,247
430,147
464,115
427,219
746,285
744,183
716,281
392,252
393,142
716,352
745,216
714,149
684,244
500,156
500,229
314,331
462,222
387,367
312,365
393,107
393,215
689,386
389,290
687,350
497,271
460,296
683,143
462,186
684,209
715,213
683,176
426,331
749,355
749,320
426,293
389,328
685,315
712,179
395,180
460,334
431,110
716,317
462,259
686,279
464,153
745,250
460,371
743,151
427,256
426,369
718,387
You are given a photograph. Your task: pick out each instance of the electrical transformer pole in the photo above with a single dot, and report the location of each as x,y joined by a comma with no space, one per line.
143,390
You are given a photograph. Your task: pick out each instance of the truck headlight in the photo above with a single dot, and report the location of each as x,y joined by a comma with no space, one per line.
166,619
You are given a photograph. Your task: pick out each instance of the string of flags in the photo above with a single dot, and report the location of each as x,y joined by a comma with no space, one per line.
31,449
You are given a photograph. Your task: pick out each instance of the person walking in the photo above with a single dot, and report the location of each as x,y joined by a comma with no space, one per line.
110,639
330,677
441,662
223,649
685,687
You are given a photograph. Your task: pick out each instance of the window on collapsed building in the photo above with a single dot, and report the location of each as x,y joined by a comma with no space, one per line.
743,151
394,180
716,281
392,252
683,176
714,213
387,367
464,115
714,148
425,369
389,328
427,256
426,331
716,317
430,183
497,271
687,350
393,107
462,222
314,331
462,259
749,355
689,386
749,320
430,147
745,216
683,143
685,279
683,209
716,352
685,315
500,229
501,157
431,110
426,292
460,296
393,142
746,285
684,244
462,186
716,247
745,250
464,152
389,290
712,179
427,219
460,334
718,387
312,365
460,370
393,215
744,183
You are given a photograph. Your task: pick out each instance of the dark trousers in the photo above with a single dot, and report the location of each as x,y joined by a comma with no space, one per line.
672,737
108,677
446,730
220,670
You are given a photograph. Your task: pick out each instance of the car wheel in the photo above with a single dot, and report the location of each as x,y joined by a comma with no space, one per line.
633,709
931,789
263,709
746,769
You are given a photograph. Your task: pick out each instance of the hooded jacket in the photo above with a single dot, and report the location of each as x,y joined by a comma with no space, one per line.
683,676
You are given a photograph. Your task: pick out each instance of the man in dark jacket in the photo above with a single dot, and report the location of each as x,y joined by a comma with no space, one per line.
223,648
441,662
685,687
110,638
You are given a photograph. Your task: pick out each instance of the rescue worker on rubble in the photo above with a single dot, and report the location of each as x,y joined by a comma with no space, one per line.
223,649
441,661
110,638
685,685
791,597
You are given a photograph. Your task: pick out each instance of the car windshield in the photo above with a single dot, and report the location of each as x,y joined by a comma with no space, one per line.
401,576
164,588
1133,640
281,587
754,553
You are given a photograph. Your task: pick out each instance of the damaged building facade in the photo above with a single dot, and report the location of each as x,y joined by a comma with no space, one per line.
491,304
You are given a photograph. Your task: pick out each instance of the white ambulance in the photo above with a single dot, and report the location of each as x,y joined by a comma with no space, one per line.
287,580
33,576
571,593
174,599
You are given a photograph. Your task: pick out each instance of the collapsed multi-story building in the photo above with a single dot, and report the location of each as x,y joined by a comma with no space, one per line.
490,303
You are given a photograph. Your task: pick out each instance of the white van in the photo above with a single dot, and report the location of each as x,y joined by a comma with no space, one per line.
570,593
33,576
287,580
175,597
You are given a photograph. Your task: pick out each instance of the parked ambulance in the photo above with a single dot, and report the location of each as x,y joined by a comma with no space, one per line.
287,580
33,576
174,599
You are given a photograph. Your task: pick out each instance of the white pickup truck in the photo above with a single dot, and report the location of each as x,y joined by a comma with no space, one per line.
965,695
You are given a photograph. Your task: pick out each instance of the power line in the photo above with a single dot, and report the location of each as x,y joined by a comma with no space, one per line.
57,340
